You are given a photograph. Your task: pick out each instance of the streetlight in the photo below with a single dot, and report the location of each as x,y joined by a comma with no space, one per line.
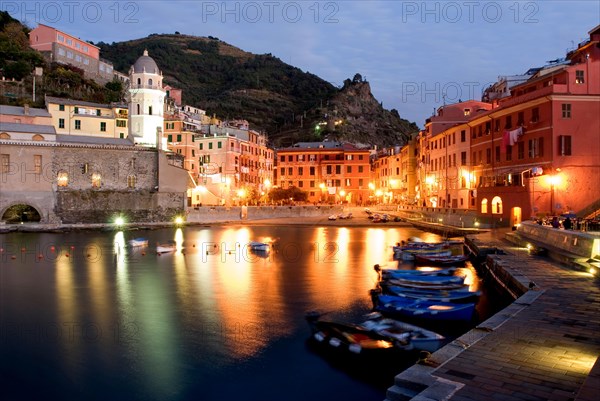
342,195
322,186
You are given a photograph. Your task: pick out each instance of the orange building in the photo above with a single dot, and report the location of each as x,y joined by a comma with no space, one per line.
330,172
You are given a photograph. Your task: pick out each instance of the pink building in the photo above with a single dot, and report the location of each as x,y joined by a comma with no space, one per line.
63,48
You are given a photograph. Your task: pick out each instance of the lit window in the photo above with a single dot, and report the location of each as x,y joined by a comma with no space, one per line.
579,79
96,180
484,205
496,205
62,179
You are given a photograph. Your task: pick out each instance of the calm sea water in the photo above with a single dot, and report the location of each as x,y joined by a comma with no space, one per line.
85,316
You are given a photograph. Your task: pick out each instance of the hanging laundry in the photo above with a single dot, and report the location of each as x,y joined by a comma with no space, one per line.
514,135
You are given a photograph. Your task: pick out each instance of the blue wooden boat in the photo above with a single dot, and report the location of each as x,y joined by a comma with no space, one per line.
425,286
424,309
456,296
423,279
437,260
138,242
395,273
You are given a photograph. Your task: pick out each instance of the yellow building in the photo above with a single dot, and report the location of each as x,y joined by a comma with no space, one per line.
75,117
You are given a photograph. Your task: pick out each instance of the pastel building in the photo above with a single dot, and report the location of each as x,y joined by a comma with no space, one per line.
330,172
538,152
76,117
61,47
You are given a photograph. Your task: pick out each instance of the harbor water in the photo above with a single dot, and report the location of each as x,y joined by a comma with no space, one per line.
83,315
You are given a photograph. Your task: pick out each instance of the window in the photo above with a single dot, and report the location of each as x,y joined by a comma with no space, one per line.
290,158
61,123
121,123
521,118
312,184
96,180
312,171
62,179
497,125
282,171
467,112
131,181
170,139
360,157
139,81
193,152
329,169
484,204
463,158
312,158
360,169
496,205
86,61
508,122
535,115
300,171
566,110
202,147
69,54
150,110
579,77
78,124
69,42
5,163
61,52
497,154
150,82
121,135
521,150
98,112
178,137
348,182
78,58
488,156
76,110
360,182
348,157
61,107
210,145
564,145
338,169
102,127
85,49
536,146
509,153
60,38
349,169
290,170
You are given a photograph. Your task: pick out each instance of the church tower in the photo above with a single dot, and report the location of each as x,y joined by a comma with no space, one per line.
146,96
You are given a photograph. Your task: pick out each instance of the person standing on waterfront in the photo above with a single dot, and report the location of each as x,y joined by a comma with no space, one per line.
567,224
555,223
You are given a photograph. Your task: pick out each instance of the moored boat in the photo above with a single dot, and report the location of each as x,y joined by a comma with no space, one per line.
456,296
438,260
409,254
423,309
426,286
138,242
419,338
353,338
258,246
394,273
166,247
427,280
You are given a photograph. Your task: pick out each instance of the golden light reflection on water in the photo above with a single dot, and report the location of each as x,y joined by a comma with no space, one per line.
246,309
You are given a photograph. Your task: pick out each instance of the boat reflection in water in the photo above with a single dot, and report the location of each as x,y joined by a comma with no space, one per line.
182,324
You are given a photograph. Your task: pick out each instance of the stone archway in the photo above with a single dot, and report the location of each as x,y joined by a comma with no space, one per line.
21,213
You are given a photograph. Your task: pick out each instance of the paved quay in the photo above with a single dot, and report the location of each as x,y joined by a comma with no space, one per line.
544,346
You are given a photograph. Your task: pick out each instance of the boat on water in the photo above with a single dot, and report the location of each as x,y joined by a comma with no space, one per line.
395,273
258,246
410,253
166,247
456,296
138,242
354,338
423,309
420,338
426,279
425,286
437,260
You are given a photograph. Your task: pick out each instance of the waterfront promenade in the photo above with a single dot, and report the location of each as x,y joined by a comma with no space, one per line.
541,347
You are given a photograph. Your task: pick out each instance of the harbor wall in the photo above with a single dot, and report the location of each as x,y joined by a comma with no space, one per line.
214,214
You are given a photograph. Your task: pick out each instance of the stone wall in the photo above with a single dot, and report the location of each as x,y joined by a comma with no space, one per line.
576,243
208,214
105,206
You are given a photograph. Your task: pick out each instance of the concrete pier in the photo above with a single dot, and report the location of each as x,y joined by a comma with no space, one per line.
541,347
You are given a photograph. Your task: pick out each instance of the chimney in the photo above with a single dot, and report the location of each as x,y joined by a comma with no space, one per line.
26,109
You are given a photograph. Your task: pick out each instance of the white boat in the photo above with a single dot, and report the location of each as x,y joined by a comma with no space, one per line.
258,246
419,337
166,247
138,242
333,217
